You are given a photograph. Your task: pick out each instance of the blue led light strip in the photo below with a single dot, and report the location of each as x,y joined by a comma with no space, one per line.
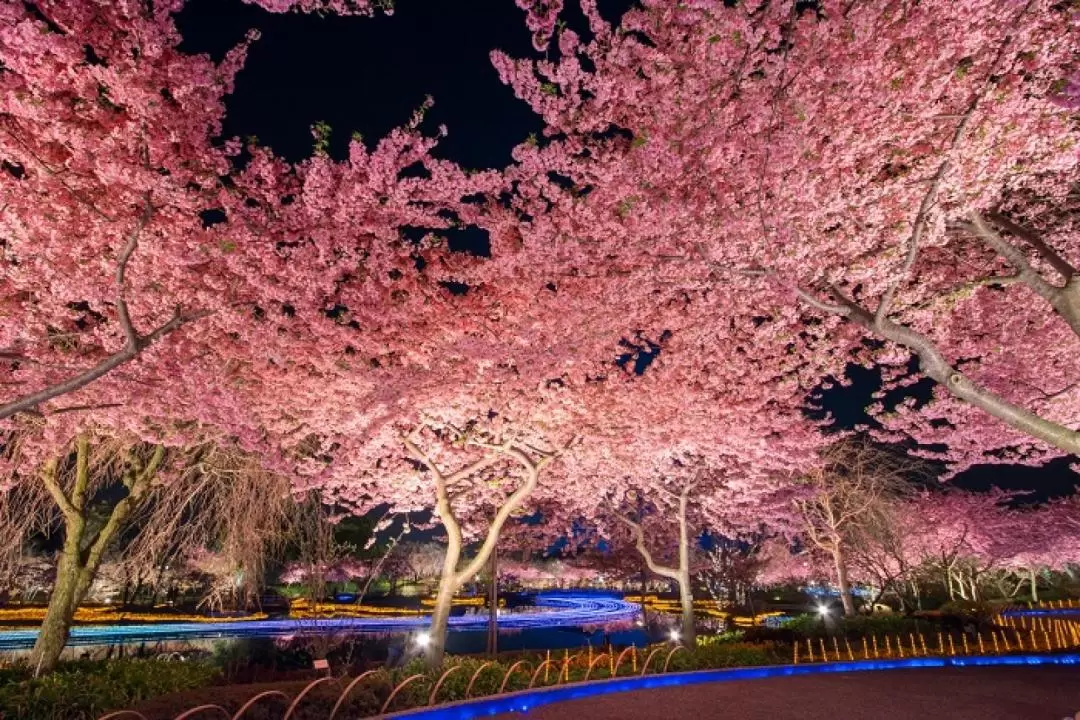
1073,612
527,699
560,610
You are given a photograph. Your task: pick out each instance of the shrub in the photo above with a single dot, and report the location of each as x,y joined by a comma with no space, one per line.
727,636
979,611
86,689
717,655
858,626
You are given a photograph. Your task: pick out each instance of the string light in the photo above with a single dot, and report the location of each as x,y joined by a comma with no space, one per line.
559,610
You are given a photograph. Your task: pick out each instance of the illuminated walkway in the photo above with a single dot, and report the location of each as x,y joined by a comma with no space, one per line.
969,693
555,610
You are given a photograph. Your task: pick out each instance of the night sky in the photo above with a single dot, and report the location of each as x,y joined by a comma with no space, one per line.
369,75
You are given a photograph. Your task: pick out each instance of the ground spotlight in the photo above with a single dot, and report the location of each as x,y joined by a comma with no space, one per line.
823,610
423,639
674,634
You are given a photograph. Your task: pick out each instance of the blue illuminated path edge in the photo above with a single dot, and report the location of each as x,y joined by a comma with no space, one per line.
560,609
1043,612
527,699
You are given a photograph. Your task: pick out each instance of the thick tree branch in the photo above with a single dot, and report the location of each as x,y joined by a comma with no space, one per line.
82,472
120,357
48,478
1013,255
138,484
442,494
933,364
639,543
1033,239
515,501
814,302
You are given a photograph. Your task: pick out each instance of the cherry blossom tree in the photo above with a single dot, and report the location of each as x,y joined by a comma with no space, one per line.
525,457
887,180
663,460
418,560
136,254
71,484
731,569
781,566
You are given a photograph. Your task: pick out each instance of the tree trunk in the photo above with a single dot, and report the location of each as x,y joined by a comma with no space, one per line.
81,556
451,578
1034,586
679,574
686,588
440,616
644,583
53,635
842,583
493,606
686,598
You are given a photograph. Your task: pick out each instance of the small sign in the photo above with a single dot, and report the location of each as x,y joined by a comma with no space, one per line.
322,664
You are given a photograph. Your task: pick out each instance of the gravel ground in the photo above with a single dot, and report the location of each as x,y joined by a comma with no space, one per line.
993,693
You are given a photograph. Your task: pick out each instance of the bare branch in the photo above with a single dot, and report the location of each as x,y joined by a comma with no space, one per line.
919,225
639,544
121,268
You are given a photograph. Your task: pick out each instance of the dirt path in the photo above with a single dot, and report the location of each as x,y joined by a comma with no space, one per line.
993,693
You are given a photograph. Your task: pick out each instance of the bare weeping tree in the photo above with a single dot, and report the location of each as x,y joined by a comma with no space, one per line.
845,495
145,505
86,493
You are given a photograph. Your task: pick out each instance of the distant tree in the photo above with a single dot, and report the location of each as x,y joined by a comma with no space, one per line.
844,497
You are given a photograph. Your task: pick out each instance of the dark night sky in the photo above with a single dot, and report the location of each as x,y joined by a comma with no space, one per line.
369,75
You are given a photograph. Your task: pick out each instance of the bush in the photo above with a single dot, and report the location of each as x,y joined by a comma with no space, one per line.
85,690
969,609
858,626
715,655
724,637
